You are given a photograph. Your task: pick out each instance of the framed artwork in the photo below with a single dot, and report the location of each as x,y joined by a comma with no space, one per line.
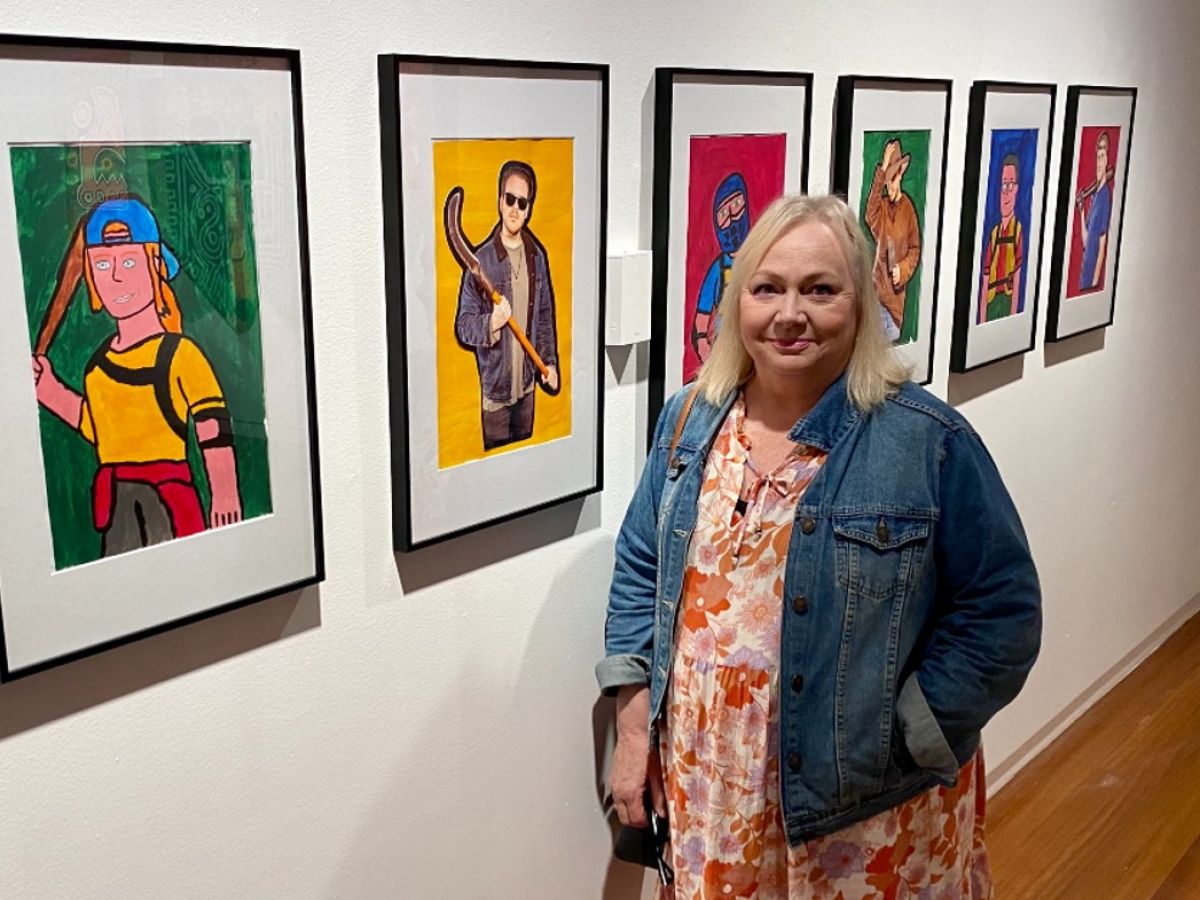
1097,134
726,143
889,162
160,436
1005,179
494,198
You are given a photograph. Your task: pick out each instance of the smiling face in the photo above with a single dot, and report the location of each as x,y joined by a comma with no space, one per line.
1008,190
121,275
798,311
1101,159
514,203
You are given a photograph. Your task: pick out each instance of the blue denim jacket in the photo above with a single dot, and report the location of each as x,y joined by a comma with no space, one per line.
911,605
473,317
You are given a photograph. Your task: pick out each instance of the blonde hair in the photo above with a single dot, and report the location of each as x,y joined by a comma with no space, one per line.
874,370
164,297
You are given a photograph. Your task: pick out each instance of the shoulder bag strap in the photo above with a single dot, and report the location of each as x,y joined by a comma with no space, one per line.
682,420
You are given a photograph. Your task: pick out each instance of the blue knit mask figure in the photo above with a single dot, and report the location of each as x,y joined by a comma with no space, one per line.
731,235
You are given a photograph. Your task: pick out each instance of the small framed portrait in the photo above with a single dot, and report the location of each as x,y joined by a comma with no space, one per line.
1005,180
160,438
1097,135
494,193
726,143
889,162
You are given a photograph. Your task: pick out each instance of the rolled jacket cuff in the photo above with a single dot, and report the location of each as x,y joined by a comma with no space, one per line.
622,669
923,736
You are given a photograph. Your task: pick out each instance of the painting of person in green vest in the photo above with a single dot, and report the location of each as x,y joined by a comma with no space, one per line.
142,389
1006,224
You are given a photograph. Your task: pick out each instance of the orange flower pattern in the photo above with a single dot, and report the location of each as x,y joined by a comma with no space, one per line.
720,735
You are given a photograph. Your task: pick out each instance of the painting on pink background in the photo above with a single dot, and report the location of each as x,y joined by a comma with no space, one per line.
732,179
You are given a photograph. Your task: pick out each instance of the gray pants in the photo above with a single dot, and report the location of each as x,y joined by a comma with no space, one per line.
139,519
508,424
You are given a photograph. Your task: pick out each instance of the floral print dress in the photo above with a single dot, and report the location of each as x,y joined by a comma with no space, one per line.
720,736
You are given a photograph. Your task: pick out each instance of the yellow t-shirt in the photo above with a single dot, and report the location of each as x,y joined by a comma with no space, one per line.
136,402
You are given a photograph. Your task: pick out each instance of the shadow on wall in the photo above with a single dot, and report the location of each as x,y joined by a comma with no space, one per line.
1074,347
646,191
457,556
630,365
499,794
70,688
622,880
451,558
966,386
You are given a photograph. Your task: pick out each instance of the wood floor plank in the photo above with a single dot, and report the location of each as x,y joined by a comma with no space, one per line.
1111,809
1184,881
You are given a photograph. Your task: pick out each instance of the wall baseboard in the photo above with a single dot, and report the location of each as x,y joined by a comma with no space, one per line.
1001,774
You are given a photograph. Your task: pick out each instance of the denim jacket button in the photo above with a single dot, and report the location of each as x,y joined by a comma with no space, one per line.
808,525
797,683
800,604
883,532
795,761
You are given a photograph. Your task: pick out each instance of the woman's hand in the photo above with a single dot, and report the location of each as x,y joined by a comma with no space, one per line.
635,765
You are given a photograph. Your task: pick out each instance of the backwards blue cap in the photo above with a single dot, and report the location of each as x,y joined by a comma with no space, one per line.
134,215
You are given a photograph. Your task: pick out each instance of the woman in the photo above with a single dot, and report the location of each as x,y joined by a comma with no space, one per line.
822,592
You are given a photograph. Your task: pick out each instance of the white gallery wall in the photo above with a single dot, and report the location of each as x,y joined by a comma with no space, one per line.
427,725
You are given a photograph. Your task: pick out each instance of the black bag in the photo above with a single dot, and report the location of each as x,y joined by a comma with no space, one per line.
647,846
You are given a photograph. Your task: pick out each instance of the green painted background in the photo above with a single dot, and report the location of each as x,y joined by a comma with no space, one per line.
914,183
200,194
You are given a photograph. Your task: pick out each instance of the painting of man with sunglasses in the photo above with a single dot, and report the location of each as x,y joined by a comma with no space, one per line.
515,262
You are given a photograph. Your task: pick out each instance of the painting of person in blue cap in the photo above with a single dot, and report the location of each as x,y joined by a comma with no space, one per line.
143,387
731,223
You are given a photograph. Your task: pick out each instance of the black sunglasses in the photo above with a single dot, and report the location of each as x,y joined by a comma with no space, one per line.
521,202
662,835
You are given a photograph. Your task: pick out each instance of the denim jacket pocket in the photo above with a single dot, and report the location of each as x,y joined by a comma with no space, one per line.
876,552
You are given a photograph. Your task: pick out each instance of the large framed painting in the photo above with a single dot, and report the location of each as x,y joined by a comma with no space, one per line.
494,194
1005,180
160,437
1097,135
889,162
726,143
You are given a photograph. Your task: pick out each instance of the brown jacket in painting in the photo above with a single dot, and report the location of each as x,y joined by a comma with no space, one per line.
898,243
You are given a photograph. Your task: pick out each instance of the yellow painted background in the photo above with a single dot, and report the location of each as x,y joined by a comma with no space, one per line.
475,165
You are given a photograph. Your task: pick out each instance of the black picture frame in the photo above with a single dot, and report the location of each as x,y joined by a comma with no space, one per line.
1055,330
968,236
665,81
404,535
843,132
71,50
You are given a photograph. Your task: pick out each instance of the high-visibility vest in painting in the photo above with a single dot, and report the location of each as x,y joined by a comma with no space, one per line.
1005,255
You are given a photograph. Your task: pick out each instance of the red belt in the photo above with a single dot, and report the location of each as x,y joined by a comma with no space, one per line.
172,481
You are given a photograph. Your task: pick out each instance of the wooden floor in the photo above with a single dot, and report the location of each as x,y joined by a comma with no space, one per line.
1111,810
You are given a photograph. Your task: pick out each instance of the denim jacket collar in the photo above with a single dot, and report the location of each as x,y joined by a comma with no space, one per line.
824,425
498,243
826,422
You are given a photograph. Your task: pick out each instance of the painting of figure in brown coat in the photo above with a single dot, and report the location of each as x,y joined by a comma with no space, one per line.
891,218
